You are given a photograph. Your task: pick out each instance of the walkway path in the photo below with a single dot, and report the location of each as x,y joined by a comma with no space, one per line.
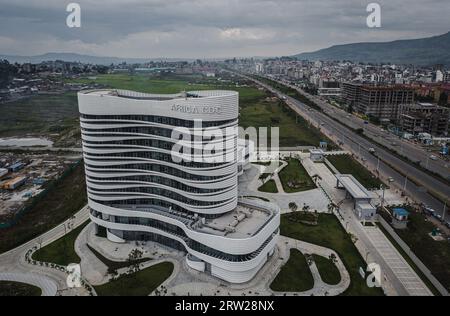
407,276
13,262
48,286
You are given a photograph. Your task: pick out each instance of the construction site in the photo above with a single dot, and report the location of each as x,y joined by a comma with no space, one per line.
24,176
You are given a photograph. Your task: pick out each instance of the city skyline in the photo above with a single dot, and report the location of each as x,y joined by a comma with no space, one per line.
221,29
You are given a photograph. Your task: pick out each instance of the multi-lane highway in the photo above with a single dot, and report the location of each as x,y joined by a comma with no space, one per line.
396,144
415,182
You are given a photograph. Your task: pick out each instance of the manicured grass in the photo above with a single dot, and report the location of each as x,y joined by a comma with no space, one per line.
294,276
269,187
18,289
296,174
114,265
328,270
434,254
141,283
61,251
345,164
330,234
64,199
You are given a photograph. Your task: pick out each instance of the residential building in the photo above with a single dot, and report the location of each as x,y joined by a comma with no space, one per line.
424,118
378,102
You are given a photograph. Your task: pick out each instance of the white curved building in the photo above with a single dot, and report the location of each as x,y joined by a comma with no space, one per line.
139,188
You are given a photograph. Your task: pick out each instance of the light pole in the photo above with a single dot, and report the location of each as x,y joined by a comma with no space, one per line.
378,166
445,211
406,182
367,256
382,199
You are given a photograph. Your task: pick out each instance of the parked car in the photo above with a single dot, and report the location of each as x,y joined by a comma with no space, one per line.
433,157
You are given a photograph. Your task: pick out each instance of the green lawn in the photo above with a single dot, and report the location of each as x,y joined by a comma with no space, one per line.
330,234
269,187
139,284
294,276
114,265
61,251
12,289
328,270
64,199
345,164
295,174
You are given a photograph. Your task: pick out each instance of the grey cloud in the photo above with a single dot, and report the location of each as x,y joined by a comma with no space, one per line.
210,28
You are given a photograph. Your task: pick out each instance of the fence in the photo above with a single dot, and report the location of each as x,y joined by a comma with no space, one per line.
413,257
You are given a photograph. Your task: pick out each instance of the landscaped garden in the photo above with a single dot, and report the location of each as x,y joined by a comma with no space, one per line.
346,164
294,276
327,270
61,251
269,187
12,289
330,234
295,178
141,283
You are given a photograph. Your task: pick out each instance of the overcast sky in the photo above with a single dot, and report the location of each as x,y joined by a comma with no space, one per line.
209,28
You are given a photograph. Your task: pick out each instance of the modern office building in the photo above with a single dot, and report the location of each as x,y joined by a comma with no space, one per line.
379,102
139,189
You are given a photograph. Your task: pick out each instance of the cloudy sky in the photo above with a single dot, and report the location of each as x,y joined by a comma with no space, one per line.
209,28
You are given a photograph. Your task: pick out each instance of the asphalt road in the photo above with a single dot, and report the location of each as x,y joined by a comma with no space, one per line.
360,147
403,147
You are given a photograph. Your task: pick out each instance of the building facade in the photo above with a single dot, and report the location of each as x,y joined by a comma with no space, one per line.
139,188
424,118
379,102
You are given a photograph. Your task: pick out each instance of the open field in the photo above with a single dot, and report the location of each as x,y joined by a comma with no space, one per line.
141,283
61,251
434,254
53,116
330,234
65,197
294,276
345,164
294,178
18,289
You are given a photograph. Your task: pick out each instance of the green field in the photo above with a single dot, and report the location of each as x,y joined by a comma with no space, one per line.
61,251
327,270
12,289
330,234
142,283
65,198
345,164
40,115
294,276
295,174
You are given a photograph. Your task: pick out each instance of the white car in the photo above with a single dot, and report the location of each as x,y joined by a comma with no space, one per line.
433,157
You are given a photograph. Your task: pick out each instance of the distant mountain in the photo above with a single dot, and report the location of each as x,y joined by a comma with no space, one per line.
423,52
86,59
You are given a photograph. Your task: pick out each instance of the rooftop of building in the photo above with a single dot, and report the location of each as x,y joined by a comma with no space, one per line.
356,189
159,97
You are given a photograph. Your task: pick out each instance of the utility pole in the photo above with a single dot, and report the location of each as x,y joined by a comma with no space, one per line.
445,211
406,182
378,166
